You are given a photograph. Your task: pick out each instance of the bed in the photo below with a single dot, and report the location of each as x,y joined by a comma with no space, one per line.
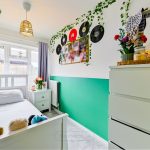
47,135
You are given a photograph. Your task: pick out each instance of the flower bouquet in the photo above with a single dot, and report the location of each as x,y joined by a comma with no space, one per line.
128,44
39,82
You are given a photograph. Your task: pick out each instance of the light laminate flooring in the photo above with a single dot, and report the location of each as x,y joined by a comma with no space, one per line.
79,138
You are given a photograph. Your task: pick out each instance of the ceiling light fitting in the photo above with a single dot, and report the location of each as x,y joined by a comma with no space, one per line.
26,26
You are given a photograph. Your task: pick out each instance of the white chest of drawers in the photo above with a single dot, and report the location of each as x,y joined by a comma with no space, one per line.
41,99
129,107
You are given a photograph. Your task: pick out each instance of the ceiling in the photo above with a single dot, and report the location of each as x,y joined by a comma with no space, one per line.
47,16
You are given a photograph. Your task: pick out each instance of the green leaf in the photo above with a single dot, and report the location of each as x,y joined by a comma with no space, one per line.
90,15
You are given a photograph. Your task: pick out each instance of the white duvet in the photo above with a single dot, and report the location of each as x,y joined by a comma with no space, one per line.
14,111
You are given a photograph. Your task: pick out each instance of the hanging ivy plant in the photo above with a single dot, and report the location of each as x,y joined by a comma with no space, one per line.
125,12
90,16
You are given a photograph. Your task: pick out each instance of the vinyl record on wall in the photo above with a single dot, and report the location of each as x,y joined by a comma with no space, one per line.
72,35
64,40
58,49
97,33
84,29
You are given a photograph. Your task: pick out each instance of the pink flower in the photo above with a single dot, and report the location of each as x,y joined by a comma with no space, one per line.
125,39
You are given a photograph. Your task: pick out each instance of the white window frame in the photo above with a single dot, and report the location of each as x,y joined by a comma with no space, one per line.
7,49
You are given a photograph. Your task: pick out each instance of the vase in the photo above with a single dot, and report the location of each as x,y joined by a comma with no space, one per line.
126,57
39,86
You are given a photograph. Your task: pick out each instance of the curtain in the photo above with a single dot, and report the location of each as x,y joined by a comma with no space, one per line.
43,61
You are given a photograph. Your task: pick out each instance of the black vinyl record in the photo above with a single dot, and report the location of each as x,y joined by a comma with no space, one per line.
97,33
84,29
58,49
64,40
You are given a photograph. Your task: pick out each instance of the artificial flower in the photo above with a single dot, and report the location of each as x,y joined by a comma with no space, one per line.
143,38
38,80
125,39
127,42
116,37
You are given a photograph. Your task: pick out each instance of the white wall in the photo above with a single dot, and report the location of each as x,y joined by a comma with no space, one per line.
8,36
104,53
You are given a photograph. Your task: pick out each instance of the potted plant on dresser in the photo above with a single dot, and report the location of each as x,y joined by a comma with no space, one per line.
128,44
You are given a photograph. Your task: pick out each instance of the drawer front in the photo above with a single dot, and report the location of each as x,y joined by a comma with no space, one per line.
131,111
127,137
44,95
134,82
112,146
42,105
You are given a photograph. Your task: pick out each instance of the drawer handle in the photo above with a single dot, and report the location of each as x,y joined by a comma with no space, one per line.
42,104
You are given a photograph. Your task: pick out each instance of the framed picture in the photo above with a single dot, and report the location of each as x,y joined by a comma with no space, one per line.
75,52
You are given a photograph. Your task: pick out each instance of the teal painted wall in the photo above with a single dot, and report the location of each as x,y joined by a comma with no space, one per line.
86,101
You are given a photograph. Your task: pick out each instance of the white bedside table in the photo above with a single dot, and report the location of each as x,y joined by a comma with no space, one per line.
41,99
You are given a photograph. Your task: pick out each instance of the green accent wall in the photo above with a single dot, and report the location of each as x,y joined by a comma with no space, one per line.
86,101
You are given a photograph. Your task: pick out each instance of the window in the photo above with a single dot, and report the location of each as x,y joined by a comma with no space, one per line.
34,62
2,56
17,68
18,53
18,60
33,67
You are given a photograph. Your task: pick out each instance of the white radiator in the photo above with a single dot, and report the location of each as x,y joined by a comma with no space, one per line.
54,87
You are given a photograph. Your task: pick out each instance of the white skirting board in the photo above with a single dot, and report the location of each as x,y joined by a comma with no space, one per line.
57,111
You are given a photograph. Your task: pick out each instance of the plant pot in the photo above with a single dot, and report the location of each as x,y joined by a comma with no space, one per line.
126,57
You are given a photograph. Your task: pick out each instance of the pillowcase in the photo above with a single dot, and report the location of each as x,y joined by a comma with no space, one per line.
10,96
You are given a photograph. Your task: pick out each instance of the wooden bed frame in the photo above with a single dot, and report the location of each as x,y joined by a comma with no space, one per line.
47,135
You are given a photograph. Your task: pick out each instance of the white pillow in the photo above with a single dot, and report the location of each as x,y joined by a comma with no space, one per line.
10,96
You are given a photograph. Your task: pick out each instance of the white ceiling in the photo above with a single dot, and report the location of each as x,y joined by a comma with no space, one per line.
47,16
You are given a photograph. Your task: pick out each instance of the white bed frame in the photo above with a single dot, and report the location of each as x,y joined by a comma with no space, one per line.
47,135
9,83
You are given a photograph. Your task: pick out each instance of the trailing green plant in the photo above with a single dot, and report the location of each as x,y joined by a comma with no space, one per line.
90,16
125,11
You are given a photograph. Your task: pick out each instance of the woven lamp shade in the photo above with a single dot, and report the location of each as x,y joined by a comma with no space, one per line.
26,28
